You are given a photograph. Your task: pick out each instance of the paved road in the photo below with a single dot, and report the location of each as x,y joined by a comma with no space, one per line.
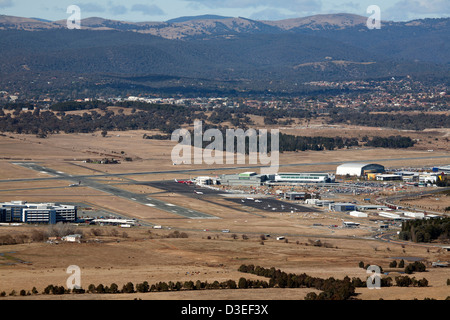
387,237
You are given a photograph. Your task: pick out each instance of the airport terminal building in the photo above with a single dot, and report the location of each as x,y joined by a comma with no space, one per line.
50,213
244,179
304,177
254,179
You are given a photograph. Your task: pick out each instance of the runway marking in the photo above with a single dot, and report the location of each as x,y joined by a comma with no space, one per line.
160,205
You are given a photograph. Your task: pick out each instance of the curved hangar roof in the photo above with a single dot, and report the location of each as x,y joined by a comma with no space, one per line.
358,169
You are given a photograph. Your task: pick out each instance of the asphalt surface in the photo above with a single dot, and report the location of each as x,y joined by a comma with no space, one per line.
263,204
236,168
271,205
139,198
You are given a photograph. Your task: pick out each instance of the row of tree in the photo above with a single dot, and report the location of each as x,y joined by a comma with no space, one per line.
394,142
332,289
401,121
426,230
416,266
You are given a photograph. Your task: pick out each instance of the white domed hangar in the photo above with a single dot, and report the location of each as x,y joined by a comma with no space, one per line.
358,169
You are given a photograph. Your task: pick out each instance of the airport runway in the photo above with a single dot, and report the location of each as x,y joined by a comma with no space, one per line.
139,198
206,169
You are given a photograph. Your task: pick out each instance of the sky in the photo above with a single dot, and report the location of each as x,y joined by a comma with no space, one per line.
163,10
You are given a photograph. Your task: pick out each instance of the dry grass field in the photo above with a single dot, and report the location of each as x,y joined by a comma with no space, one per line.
144,254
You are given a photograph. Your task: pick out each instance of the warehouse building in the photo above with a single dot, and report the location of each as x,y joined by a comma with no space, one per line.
365,207
358,169
21,211
358,214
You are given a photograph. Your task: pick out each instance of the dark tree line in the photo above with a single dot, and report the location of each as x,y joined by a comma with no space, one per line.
168,118
394,142
397,121
317,143
332,289
426,230
47,122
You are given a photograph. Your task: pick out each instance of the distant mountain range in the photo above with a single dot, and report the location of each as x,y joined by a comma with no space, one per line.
205,26
213,53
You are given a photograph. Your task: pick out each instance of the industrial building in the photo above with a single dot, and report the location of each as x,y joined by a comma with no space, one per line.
358,169
365,207
21,211
389,215
415,215
358,214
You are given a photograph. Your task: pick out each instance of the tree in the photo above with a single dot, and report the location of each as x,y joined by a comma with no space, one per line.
311,296
142,287
91,288
409,269
242,284
422,283
100,288
114,288
403,281
128,288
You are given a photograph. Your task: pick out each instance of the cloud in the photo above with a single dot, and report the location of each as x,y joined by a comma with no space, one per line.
91,7
6,4
118,10
352,5
148,10
409,9
271,14
293,5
